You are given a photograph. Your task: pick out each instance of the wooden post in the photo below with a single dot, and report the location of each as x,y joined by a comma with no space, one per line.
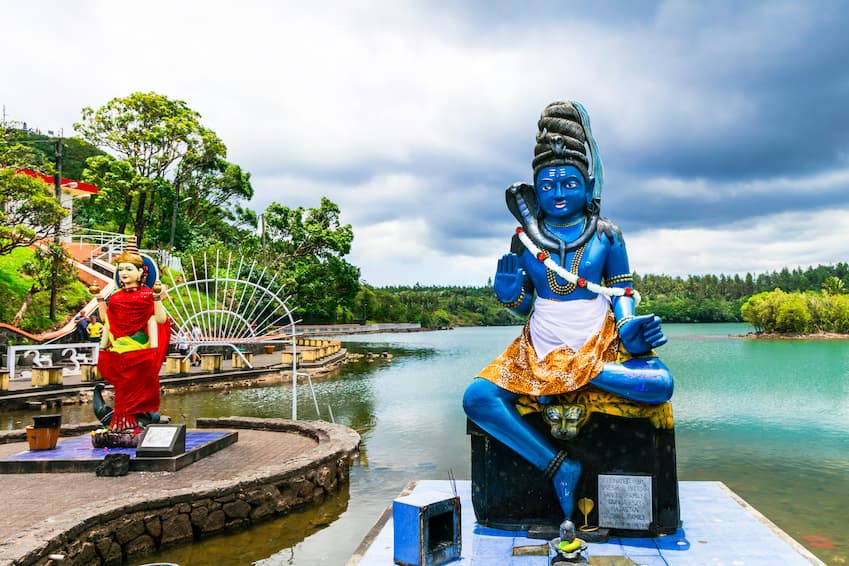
55,375
239,363
49,375
175,364
89,373
210,362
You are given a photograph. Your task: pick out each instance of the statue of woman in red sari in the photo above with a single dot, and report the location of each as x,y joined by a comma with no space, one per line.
134,343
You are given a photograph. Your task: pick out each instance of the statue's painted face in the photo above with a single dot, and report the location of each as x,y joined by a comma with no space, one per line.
129,274
561,192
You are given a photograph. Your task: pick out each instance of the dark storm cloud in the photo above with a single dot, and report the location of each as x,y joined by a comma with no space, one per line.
646,211
759,93
413,116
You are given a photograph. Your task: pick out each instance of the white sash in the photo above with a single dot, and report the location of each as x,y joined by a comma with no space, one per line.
566,323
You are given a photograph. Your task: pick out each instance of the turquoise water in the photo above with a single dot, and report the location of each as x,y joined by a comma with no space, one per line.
768,418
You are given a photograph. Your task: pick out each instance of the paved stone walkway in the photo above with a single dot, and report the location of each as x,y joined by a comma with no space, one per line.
29,499
41,506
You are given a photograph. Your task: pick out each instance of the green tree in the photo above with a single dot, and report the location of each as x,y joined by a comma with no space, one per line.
308,246
760,310
50,269
215,188
840,314
440,319
364,302
793,315
29,210
162,150
833,286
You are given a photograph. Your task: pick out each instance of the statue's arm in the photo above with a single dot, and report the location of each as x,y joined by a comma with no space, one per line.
638,334
101,310
104,338
152,332
159,313
617,273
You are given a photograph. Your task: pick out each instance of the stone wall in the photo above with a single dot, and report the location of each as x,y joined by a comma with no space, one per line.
142,526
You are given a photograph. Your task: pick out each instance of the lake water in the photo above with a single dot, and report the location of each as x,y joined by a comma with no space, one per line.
768,418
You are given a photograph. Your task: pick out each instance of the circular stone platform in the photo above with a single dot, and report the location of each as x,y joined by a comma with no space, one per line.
276,465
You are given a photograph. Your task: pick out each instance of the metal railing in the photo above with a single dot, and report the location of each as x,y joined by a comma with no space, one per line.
49,355
110,244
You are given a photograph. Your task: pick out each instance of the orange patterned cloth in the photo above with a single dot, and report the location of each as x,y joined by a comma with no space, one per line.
519,370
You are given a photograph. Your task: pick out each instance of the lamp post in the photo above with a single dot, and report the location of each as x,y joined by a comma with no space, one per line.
57,177
177,203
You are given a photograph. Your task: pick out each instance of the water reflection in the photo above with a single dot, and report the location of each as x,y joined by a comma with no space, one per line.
273,542
767,418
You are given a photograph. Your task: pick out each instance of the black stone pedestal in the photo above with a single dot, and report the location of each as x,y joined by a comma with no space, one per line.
508,493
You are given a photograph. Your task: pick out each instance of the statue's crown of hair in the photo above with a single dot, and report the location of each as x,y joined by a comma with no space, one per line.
565,137
130,254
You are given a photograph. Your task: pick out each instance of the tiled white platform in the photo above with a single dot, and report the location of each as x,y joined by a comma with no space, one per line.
718,528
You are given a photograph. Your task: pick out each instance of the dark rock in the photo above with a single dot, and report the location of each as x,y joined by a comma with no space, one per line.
237,509
177,529
128,529
114,465
113,555
199,515
262,495
214,522
86,555
141,545
153,526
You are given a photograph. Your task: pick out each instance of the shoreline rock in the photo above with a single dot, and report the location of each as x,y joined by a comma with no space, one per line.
795,336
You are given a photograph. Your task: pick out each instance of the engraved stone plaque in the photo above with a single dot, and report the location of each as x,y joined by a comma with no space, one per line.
624,502
162,440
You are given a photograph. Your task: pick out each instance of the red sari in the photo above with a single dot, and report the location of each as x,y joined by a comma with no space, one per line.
133,374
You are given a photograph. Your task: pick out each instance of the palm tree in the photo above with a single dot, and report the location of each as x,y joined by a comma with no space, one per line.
833,286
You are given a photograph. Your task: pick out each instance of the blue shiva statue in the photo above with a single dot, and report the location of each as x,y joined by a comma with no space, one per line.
569,268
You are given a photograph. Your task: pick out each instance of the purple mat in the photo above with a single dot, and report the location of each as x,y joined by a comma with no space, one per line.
80,448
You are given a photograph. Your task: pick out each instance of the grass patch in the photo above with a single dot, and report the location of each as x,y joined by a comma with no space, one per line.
14,288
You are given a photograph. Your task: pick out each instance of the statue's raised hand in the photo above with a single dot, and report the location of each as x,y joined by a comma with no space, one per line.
642,333
508,278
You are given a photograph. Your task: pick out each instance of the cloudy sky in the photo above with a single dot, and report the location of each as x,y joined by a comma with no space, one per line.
723,126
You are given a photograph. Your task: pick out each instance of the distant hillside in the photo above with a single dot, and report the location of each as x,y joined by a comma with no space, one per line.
698,298
74,151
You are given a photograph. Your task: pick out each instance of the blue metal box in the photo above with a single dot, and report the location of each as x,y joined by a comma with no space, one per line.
426,529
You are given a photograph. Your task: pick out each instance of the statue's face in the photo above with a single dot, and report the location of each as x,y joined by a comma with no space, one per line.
561,192
129,274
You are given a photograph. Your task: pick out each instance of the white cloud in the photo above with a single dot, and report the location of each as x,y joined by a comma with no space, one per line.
787,239
377,105
702,189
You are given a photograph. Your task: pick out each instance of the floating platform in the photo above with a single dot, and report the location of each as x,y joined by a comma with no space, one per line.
76,454
717,527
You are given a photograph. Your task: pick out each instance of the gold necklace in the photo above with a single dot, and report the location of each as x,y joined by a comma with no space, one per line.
558,288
